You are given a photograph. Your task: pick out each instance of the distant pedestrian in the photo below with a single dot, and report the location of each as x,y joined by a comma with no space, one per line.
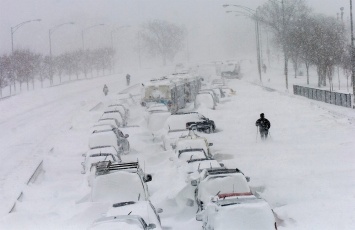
264,68
128,79
105,90
264,126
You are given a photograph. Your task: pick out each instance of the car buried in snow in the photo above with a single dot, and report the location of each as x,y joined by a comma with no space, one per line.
193,141
186,120
218,181
133,213
119,182
122,108
205,99
109,136
97,154
229,211
111,113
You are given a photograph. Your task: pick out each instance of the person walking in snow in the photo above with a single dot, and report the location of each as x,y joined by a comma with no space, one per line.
264,68
105,90
128,79
264,126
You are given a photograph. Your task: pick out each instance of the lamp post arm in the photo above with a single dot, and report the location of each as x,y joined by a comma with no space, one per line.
57,26
13,29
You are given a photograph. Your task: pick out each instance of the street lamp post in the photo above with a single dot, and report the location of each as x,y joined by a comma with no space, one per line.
13,30
50,32
87,28
252,14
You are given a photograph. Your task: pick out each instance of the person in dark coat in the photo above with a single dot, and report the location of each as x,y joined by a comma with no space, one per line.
105,89
264,126
128,79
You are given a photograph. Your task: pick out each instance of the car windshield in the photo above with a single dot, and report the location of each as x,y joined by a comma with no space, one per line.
191,155
256,216
199,143
222,183
117,186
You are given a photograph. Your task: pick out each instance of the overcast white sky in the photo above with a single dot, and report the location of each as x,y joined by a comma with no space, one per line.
210,28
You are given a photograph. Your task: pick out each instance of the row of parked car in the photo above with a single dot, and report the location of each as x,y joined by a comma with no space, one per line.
115,181
221,195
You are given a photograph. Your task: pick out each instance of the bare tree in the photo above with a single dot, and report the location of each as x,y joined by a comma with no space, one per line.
279,17
162,39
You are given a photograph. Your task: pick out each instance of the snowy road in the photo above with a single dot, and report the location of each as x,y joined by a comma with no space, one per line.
305,171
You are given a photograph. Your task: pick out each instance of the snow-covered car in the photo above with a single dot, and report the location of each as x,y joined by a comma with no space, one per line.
115,114
110,137
119,182
95,155
215,96
218,181
218,91
124,222
184,120
228,91
142,209
108,121
170,138
193,141
237,211
120,107
205,99
155,121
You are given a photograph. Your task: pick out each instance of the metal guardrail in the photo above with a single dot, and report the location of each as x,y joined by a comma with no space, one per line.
32,179
340,99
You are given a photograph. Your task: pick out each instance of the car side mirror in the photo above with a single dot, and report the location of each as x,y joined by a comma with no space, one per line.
199,216
151,226
126,135
159,210
148,178
248,178
221,164
210,144
194,182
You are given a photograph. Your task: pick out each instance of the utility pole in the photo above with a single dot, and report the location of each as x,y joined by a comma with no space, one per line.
283,42
352,53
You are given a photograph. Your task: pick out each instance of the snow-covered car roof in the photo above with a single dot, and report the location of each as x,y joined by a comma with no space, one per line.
143,209
191,154
108,121
195,143
249,213
156,120
103,138
117,187
113,114
222,183
205,99
102,127
117,107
